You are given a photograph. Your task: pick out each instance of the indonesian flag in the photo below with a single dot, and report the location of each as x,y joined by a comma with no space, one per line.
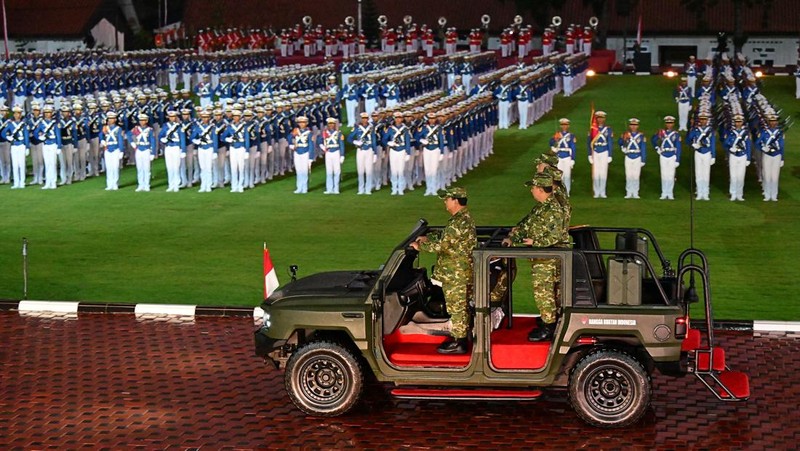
595,129
270,278
639,31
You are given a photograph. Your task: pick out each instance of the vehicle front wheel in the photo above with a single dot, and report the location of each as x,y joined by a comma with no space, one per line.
324,379
609,388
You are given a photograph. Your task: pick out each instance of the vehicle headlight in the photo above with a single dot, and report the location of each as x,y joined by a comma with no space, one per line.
266,320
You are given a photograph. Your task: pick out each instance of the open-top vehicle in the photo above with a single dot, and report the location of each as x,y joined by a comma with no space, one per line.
619,321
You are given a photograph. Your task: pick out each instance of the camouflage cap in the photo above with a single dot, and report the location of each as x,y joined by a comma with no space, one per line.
455,192
540,180
549,158
555,173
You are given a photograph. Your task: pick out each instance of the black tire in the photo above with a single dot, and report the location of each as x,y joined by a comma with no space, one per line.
609,389
324,379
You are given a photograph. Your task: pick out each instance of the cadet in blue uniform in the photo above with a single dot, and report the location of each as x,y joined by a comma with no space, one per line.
633,145
599,148
667,143
68,149
331,142
431,140
397,140
739,147
683,97
16,132
770,141
301,143
174,141
113,145
143,140
701,138
239,147
204,137
49,134
563,145
363,137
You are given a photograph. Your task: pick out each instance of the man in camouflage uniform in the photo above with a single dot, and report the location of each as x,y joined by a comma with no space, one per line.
545,226
454,266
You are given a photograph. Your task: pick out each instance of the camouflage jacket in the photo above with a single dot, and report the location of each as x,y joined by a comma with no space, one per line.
546,225
453,247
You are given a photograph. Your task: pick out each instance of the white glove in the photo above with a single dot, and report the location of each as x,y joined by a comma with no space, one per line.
27,152
424,141
747,164
341,159
781,163
696,145
642,163
58,151
591,160
358,142
291,146
713,160
572,163
228,140
765,149
677,164
610,160
392,144
374,158
215,156
441,156
407,157
134,146
323,147
152,157
553,149
163,140
309,165
196,142
183,155
247,155
120,156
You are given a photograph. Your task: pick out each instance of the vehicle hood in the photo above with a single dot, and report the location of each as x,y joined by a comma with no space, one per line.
328,284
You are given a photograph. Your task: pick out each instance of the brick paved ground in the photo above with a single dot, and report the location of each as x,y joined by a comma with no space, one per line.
117,382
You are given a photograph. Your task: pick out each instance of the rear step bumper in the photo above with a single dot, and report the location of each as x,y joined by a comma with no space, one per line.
462,394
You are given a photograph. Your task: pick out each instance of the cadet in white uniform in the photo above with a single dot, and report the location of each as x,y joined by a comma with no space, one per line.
143,140
667,143
600,145
634,146
331,141
563,145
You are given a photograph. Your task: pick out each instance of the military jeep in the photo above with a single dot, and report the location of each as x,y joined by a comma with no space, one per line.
622,315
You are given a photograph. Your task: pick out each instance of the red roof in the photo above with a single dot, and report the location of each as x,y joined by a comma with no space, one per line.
55,18
663,16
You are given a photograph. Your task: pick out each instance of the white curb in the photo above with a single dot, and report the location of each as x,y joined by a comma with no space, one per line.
48,306
165,309
776,326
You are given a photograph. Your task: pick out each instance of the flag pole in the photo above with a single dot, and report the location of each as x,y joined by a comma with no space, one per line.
24,268
5,29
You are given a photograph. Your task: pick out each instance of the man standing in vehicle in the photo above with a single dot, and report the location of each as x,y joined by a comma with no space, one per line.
454,265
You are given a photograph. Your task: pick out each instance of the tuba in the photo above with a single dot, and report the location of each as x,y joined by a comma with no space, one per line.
556,21
593,21
485,19
407,20
517,20
349,21
442,21
382,20
307,21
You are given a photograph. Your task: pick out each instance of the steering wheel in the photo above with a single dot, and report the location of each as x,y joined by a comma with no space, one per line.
415,291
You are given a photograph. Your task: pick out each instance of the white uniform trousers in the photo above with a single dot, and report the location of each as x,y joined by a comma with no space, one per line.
633,173
364,165
94,156
683,115
797,87
18,165
690,82
565,166
65,160
205,158
737,166
237,159
351,106
568,87
431,164
111,160
702,174
80,159
524,108
143,169
333,171
599,173
668,165
301,167
173,82
172,158
397,163
771,169
37,163
49,153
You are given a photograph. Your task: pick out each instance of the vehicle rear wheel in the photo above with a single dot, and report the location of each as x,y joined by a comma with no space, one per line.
609,389
324,378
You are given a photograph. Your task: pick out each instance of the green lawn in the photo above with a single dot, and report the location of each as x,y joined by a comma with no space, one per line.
187,247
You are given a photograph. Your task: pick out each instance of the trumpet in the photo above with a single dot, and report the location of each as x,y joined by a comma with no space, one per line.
382,20
307,21
407,20
517,20
593,21
442,21
349,21
556,21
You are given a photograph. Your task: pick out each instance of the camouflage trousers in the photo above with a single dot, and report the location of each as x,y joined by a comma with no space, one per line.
455,297
544,275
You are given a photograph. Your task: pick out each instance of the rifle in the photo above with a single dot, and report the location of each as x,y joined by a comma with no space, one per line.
48,130
172,132
204,137
15,135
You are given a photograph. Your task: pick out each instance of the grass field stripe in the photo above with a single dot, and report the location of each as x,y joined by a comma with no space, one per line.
165,309
48,306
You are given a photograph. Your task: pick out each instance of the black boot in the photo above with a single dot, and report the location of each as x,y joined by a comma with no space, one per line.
544,333
454,346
